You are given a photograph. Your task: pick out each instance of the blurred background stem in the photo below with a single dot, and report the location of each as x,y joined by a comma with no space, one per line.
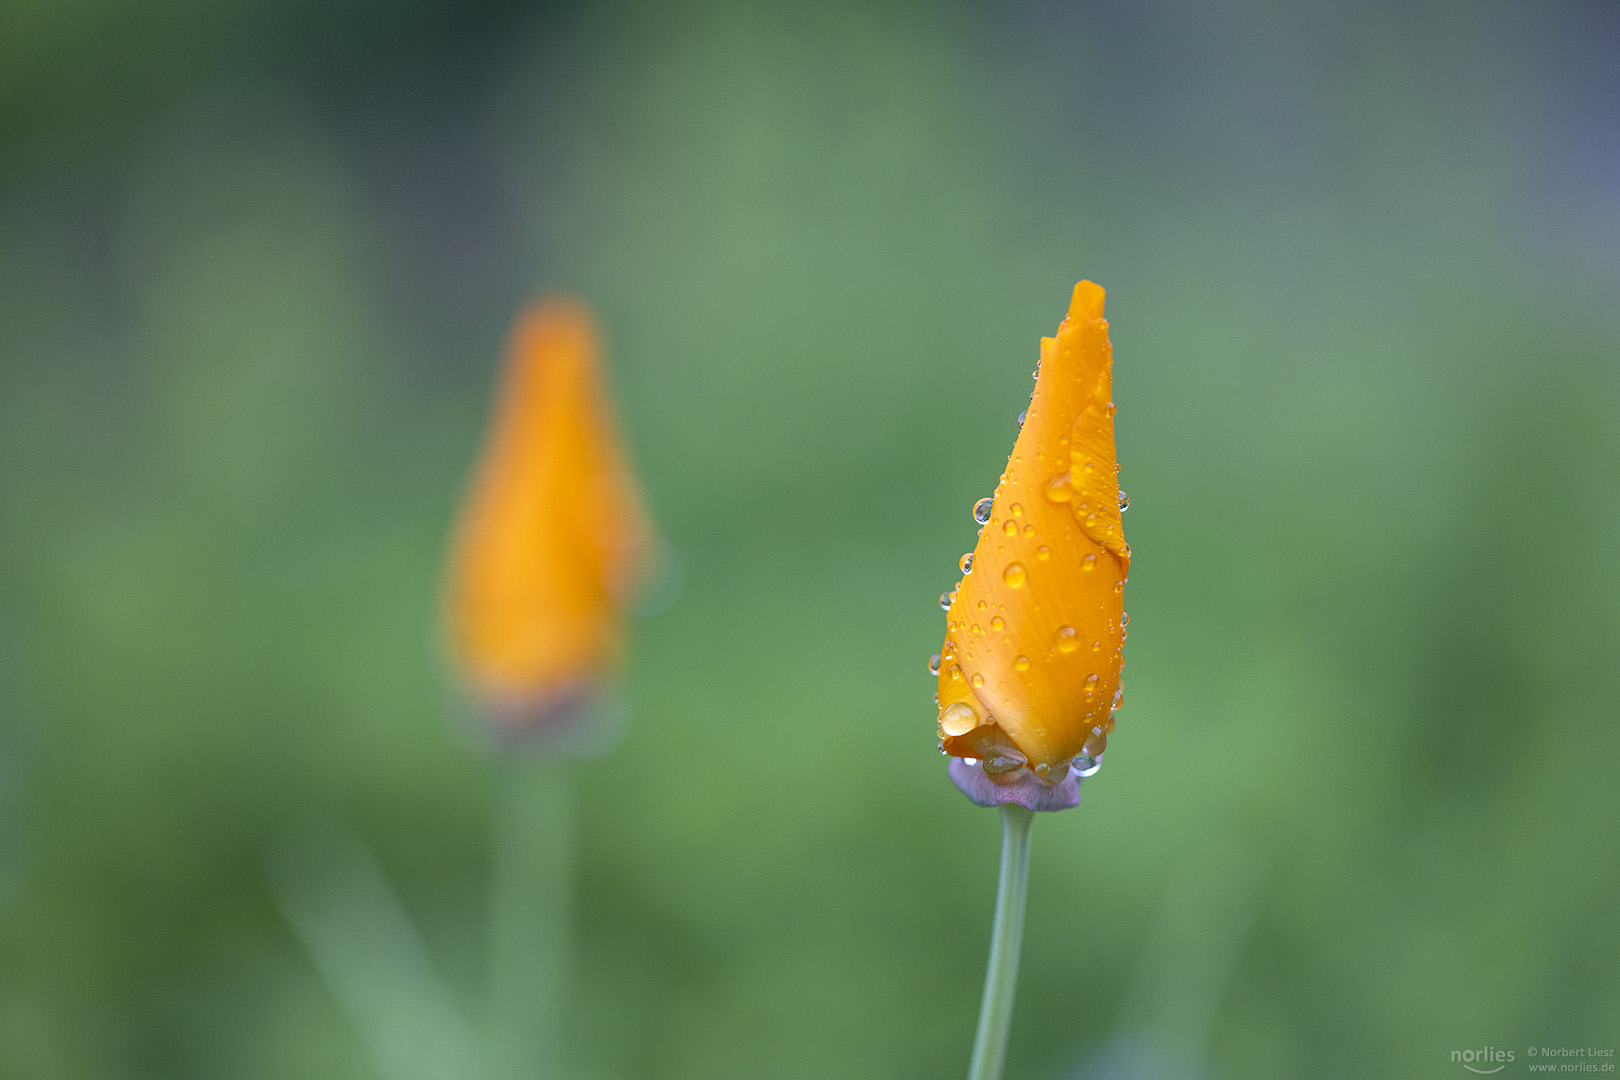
529,918
371,957
1006,938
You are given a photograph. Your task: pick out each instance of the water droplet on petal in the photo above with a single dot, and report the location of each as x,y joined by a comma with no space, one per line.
997,622
944,601
1004,761
1089,562
1021,663
955,672
1119,698
1010,528
1066,640
977,680
1022,417
1014,574
1124,501
958,719
1059,490
1015,510
1029,531
981,510
1043,553
1124,619
1085,765
966,563
1091,687
933,664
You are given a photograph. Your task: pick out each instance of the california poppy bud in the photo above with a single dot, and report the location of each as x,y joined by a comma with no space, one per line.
552,538
1030,670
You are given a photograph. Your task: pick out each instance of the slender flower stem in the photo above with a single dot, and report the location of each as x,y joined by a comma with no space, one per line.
1001,976
529,919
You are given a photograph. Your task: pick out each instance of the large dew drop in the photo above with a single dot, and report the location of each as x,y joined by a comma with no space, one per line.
1085,765
981,510
1004,760
958,719
966,563
1014,575
933,664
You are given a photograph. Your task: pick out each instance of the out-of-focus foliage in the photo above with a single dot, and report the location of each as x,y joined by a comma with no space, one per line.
256,262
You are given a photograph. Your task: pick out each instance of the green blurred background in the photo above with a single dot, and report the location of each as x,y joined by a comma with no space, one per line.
257,261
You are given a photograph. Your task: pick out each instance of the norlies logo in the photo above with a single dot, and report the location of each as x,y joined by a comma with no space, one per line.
1480,1061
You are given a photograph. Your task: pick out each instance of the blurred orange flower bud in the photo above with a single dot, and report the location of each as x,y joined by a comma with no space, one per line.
1029,673
553,537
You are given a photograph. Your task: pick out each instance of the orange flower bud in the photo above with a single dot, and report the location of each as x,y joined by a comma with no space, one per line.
552,537
1029,673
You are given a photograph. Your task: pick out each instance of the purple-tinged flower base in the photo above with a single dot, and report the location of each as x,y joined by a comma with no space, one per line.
1025,788
583,719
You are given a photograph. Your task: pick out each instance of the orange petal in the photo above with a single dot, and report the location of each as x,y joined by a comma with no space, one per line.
552,535
1035,633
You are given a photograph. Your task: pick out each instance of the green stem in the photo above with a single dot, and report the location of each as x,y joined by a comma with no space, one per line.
529,919
1001,976
335,897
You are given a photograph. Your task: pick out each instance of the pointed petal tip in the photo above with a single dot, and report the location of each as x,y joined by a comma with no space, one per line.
559,320
557,305
1087,301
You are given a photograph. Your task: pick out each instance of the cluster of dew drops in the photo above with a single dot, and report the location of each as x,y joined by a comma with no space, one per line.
1083,765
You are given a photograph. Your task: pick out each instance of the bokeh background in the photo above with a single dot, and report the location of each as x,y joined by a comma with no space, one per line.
257,260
